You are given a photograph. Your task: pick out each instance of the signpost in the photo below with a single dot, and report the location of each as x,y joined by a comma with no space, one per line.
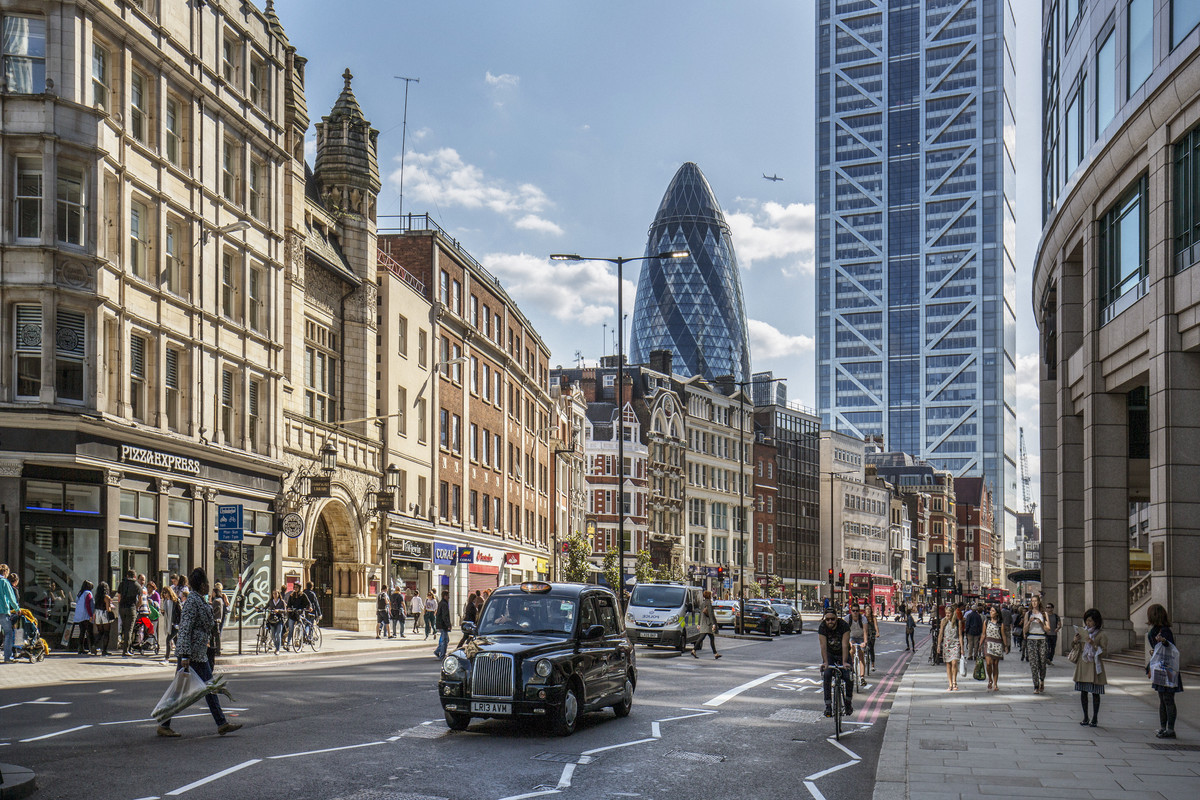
229,529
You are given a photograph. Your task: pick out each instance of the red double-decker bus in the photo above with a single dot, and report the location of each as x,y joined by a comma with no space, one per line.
878,590
997,596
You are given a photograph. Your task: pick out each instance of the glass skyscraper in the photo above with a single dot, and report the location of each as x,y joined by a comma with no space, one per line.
916,278
693,306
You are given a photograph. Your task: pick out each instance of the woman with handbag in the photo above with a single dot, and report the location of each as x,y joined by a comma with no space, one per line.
951,639
994,647
1036,626
101,618
1160,634
84,608
1089,669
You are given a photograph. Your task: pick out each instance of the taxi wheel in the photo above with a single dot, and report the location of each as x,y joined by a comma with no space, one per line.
567,717
457,722
622,708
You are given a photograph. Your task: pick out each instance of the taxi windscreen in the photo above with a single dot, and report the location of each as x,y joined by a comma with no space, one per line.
650,595
528,614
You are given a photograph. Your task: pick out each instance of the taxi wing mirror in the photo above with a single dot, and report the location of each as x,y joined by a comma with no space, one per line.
593,632
468,628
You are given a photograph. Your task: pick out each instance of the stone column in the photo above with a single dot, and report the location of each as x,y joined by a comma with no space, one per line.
1106,508
1062,542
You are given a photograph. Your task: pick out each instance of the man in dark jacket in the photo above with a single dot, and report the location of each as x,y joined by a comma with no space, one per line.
396,600
129,593
441,622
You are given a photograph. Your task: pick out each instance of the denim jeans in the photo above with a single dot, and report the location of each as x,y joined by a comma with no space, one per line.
205,670
847,682
9,637
443,643
276,634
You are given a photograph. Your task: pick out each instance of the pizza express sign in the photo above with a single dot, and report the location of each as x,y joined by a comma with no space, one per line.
154,458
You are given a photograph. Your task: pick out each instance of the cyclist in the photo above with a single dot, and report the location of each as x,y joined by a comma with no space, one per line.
298,606
858,642
834,635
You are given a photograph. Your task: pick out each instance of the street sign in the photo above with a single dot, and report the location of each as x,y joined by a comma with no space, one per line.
229,523
729,583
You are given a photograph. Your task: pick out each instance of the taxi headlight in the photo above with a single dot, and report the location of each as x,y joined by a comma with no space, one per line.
451,665
543,668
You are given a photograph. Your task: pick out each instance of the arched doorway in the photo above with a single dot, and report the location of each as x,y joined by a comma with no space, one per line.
322,569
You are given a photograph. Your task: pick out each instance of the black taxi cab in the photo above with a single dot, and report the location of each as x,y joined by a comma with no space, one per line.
549,651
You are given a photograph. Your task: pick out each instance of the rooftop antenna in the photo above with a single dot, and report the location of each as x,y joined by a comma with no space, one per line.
404,135
604,340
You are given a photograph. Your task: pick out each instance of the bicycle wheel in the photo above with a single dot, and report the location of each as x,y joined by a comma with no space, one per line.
838,699
314,638
297,638
262,641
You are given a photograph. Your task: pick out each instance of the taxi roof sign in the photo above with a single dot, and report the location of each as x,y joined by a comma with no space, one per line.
535,587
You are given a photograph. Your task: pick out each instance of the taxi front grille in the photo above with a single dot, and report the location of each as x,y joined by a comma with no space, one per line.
492,677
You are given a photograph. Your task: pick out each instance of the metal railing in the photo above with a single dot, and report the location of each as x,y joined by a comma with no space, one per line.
396,268
422,222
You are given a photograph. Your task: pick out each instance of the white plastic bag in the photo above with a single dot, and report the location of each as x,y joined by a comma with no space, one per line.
962,666
1164,666
186,688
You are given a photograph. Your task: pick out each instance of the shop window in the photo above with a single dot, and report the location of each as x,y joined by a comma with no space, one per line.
24,54
179,511
139,505
70,342
58,559
178,562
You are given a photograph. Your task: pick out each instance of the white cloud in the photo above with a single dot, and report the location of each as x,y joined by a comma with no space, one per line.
442,177
767,341
310,149
502,81
565,290
769,231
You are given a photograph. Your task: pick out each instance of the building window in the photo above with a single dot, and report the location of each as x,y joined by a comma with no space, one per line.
487,322
1187,200
27,198
228,434
260,93
474,375
257,201
456,433
422,420
444,288
24,52
28,347
1185,16
456,297
229,281
100,82
231,53
474,312
137,378
422,348
174,134
70,204
320,372
444,429
1106,81
231,157
70,342
1139,30
173,389
138,106
473,444
257,299
1073,130
139,240
402,335
176,275
1122,252
254,421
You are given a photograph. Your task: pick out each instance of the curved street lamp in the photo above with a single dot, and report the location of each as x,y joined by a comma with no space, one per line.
620,261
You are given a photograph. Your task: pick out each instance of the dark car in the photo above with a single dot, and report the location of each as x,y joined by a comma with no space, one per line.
547,651
789,618
760,617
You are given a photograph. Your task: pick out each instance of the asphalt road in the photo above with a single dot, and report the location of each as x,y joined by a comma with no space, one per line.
747,726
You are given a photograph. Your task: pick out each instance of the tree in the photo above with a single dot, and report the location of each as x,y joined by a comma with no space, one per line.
576,566
669,572
774,586
612,569
643,569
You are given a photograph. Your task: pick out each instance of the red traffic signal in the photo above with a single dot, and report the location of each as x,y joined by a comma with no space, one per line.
831,574
841,578
721,572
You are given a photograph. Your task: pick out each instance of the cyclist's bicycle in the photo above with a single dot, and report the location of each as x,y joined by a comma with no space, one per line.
306,633
837,692
858,659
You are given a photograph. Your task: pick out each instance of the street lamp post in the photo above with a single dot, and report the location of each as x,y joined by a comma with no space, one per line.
620,261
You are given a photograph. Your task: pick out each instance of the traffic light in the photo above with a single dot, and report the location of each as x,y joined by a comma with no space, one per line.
831,576
720,573
842,578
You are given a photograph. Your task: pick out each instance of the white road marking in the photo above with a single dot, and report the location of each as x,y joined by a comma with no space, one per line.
43,701
56,733
615,746
530,794
151,797
734,692
105,691
565,781
818,775
813,790
327,750
688,716
395,738
654,730
213,777
845,749
178,716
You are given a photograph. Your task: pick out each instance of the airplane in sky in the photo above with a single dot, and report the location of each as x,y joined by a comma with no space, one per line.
772,178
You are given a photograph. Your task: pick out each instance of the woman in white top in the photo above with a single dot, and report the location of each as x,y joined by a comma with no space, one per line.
84,608
1037,625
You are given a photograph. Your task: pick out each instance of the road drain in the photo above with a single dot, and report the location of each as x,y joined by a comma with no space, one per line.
702,758
796,715
564,758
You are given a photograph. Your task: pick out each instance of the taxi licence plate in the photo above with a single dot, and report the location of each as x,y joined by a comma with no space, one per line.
648,634
491,708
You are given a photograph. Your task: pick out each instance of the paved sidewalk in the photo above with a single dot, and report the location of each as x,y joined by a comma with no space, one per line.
940,745
65,666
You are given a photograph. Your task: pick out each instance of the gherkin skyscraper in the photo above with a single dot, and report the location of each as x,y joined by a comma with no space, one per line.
693,306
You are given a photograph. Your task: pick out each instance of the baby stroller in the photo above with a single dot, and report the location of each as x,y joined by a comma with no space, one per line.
144,640
35,647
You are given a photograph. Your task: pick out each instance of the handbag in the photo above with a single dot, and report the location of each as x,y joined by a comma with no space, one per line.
1164,666
980,670
1076,652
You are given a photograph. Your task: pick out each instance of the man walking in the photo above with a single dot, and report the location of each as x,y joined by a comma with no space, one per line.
973,629
396,601
1052,631
128,594
441,622
910,630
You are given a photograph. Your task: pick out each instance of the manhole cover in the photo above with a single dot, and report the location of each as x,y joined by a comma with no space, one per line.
934,744
425,732
1163,746
796,715
564,758
702,758
387,794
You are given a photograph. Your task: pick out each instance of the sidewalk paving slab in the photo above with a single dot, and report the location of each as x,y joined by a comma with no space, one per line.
1013,743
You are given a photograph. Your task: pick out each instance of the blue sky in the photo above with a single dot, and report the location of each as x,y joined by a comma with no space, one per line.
540,127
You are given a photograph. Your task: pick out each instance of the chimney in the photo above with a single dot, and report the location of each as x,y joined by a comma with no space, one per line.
724,384
660,361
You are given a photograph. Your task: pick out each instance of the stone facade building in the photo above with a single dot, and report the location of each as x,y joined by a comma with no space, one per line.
1116,295
978,555
855,516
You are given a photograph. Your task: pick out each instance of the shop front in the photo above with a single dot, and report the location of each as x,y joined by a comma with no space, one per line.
484,568
411,564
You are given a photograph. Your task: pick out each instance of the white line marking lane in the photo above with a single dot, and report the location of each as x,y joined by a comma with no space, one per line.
56,733
213,777
327,750
734,692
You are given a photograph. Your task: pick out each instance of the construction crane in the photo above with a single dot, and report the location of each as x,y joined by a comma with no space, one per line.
1025,482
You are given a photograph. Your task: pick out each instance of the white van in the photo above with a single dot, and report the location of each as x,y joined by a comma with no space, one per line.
664,613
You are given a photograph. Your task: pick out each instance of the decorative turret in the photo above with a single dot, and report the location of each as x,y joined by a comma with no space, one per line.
273,21
347,165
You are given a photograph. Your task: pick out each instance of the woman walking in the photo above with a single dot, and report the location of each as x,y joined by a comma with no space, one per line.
197,633
170,619
707,626
910,630
1160,633
952,645
872,634
431,605
1089,669
276,613
84,608
995,638
220,609
416,609
101,617
383,616
1037,623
